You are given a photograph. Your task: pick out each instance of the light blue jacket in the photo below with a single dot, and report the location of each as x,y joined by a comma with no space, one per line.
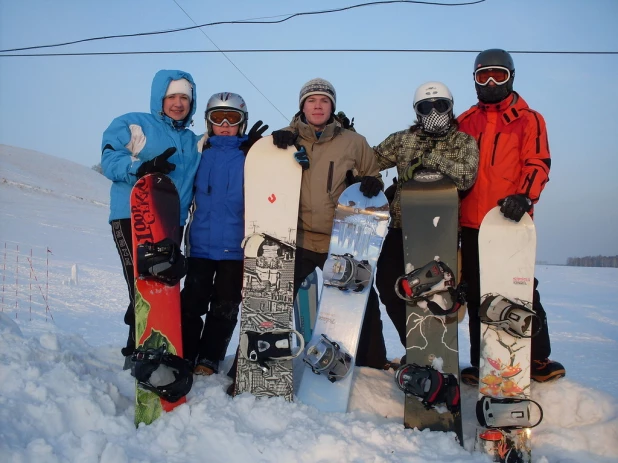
134,138
217,225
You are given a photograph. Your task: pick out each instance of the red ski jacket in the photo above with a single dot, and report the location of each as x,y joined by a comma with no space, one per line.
513,155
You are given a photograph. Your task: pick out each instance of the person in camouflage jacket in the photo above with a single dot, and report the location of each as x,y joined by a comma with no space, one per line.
434,143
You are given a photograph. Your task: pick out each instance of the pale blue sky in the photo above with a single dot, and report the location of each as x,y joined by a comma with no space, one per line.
61,105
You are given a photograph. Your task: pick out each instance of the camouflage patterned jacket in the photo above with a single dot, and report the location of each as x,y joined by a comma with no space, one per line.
455,154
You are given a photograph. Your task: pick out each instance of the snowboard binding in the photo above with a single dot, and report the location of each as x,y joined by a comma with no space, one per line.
269,346
344,272
429,385
435,277
506,413
162,261
148,361
328,358
514,318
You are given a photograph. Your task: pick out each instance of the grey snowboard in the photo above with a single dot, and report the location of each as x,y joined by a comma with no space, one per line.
429,209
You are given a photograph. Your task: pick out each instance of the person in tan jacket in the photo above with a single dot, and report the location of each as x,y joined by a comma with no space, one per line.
331,156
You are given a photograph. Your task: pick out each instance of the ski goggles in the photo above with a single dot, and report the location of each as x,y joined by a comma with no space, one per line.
498,74
219,116
441,105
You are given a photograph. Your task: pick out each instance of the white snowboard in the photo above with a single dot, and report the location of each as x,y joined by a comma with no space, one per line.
507,251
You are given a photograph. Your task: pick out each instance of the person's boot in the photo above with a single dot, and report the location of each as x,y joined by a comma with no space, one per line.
127,351
470,376
542,371
205,367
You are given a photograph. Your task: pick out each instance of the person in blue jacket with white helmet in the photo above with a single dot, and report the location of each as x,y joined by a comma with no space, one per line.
215,232
136,144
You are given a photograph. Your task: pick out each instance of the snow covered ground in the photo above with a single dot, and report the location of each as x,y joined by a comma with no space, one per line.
65,398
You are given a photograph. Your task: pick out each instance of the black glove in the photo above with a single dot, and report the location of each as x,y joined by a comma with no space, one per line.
408,173
284,138
254,135
370,186
158,164
515,206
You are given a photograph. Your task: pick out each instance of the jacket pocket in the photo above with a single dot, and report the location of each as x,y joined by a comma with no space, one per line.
329,181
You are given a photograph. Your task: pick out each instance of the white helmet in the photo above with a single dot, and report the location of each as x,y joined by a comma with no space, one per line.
433,105
431,90
230,101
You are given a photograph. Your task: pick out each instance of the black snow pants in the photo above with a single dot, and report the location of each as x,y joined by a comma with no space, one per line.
212,288
390,267
123,238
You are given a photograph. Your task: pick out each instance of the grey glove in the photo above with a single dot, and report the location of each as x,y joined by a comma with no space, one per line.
408,173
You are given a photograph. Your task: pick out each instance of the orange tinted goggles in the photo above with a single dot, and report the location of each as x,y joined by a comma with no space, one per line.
218,117
498,74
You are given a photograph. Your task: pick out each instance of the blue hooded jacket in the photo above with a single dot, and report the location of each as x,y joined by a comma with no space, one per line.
217,225
134,138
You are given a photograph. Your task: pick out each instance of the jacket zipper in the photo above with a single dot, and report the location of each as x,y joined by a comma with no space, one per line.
329,183
493,154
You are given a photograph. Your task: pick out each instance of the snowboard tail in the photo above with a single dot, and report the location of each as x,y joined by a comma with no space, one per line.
155,215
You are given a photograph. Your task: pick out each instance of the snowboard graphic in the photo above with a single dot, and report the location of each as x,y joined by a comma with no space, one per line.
155,215
359,228
506,254
429,209
306,306
272,194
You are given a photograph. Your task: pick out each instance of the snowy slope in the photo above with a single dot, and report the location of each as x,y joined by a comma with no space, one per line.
65,398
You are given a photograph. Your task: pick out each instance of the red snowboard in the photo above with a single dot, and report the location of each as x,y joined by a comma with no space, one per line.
155,215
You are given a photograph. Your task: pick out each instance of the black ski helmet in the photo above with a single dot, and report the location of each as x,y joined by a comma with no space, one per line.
487,59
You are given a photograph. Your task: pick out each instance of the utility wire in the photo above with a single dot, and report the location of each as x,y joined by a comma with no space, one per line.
243,21
317,50
232,63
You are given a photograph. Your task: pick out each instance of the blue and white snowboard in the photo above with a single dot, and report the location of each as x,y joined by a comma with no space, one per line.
358,232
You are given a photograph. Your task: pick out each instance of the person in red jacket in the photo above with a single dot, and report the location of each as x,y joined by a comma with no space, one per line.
514,165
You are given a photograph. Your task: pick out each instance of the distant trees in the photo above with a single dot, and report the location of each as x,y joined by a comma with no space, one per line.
97,168
593,261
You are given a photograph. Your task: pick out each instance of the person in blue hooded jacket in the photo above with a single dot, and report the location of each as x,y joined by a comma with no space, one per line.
137,144
216,229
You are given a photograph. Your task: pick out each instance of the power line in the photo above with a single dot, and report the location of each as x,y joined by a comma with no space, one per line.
243,21
232,63
316,50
